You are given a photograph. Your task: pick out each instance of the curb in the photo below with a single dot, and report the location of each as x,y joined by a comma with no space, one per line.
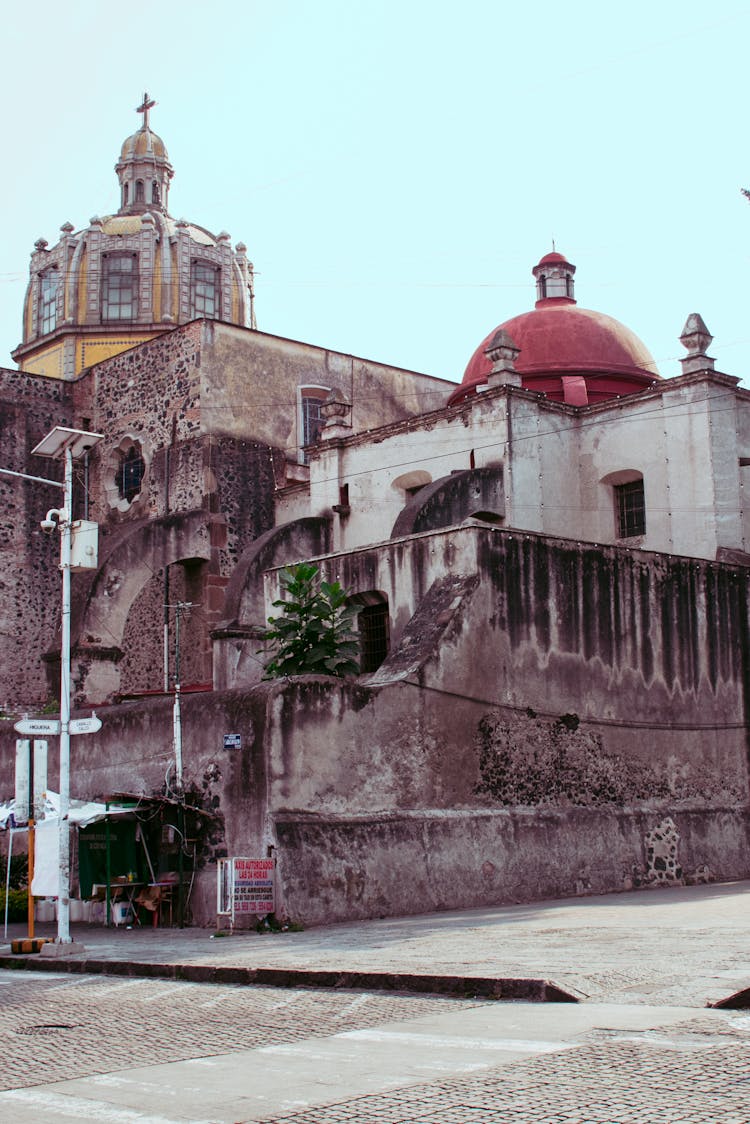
463,987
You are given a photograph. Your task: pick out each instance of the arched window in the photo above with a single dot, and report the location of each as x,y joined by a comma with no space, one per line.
630,509
125,193
155,197
130,473
204,290
48,301
140,195
310,418
629,496
119,287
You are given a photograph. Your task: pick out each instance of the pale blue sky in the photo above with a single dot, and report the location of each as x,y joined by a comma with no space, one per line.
396,169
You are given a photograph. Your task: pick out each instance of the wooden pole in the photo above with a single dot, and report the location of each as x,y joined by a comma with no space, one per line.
31,878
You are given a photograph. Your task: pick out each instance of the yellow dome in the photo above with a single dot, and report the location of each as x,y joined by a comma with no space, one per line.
128,276
143,143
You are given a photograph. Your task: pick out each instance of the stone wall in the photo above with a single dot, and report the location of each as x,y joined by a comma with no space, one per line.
30,406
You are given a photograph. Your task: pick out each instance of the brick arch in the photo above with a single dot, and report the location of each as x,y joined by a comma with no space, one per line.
101,602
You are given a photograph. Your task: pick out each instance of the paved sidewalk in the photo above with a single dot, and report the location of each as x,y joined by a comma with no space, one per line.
686,946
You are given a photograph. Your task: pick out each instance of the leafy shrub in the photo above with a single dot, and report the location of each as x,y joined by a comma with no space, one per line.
18,904
314,635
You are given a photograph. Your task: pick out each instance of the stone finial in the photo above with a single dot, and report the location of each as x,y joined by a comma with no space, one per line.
502,353
148,218
41,244
696,338
67,228
240,248
337,413
223,236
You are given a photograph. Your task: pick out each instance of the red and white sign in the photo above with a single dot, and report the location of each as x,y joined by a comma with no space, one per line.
245,885
252,886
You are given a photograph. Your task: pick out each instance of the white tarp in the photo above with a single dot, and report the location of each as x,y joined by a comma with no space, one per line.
46,880
82,812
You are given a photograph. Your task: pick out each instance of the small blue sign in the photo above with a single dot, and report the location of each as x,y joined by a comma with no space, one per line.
233,741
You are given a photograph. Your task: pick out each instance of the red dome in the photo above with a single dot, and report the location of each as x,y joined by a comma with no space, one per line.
553,259
570,354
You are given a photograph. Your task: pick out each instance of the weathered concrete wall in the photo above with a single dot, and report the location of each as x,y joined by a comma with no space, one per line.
250,380
334,869
451,499
554,718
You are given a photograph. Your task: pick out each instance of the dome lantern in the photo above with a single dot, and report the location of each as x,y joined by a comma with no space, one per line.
143,169
554,279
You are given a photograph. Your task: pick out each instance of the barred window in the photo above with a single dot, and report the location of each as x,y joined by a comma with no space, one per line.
630,509
48,301
130,473
119,287
312,419
373,636
204,291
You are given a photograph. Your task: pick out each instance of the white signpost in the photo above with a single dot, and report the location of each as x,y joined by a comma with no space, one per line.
32,726
86,725
28,760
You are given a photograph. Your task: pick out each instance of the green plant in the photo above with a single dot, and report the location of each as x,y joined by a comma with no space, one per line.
18,907
19,872
314,634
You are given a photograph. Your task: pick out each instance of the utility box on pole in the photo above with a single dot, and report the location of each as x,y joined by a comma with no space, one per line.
84,545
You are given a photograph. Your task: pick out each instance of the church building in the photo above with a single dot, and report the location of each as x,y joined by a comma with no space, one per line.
549,563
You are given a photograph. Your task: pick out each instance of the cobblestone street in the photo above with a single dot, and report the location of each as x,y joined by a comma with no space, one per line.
97,1048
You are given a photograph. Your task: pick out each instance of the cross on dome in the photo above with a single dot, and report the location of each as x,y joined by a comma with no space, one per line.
144,108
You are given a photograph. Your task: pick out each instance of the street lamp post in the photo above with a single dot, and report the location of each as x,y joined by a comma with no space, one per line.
65,444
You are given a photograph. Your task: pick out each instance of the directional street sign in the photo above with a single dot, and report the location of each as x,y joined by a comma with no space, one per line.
32,726
85,725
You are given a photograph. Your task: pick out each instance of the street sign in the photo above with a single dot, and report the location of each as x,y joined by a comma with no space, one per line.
31,726
31,772
85,725
233,741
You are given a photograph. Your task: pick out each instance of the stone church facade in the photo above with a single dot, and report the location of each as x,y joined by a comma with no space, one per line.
550,562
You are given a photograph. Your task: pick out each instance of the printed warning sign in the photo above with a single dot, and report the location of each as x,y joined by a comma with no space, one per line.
253,885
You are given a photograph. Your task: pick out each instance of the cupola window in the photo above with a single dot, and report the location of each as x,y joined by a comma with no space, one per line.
119,287
140,194
125,194
48,301
204,291
155,196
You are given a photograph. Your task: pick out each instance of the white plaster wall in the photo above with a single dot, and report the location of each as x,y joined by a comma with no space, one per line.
685,437
433,447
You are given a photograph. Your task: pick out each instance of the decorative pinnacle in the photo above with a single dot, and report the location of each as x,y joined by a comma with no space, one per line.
502,349
144,108
695,336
